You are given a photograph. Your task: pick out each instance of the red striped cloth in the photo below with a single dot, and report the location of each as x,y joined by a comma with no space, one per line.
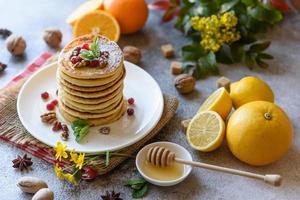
40,152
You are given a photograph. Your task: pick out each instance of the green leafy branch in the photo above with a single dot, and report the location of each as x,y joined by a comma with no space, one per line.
254,17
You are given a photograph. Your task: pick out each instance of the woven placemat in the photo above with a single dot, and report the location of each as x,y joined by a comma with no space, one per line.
13,132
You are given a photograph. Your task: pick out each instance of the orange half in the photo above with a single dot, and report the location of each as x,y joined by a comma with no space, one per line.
97,22
83,9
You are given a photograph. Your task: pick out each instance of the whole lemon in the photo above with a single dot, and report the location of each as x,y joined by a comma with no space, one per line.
250,89
259,133
131,14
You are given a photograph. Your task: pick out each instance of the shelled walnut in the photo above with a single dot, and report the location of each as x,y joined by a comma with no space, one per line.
49,117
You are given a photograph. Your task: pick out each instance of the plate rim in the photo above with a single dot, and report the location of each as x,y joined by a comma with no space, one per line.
151,122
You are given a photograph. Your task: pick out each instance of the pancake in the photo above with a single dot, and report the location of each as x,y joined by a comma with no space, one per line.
92,94
91,101
87,115
90,82
99,121
115,59
100,108
91,89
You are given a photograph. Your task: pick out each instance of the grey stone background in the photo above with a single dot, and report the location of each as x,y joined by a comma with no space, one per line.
29,18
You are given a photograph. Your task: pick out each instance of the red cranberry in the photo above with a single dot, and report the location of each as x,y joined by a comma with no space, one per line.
89,173
54,102
45,95
85,46
131,101
50,106
130,111
94,63
74,59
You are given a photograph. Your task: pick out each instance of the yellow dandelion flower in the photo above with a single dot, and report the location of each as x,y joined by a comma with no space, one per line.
74,156
58,171
70,178
60,150
80,160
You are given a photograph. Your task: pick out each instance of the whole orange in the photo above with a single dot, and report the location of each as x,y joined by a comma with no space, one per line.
131,14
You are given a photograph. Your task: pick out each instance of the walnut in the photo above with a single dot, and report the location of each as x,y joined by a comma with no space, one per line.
56,126
16,45
132,54
65,133
185,83
49,118
52,37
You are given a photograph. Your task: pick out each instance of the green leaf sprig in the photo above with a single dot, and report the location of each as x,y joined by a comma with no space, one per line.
254,17
140,187
80,129
93,53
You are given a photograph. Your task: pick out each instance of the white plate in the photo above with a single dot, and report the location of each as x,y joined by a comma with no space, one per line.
124,132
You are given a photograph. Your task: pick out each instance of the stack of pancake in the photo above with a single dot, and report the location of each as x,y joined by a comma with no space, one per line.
91,93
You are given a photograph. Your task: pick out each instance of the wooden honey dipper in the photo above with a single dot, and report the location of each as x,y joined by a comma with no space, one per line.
162,157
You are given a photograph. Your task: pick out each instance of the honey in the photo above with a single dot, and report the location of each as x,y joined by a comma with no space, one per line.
169,173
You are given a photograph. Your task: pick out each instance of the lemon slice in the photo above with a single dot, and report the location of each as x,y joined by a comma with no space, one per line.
84,8
219,101
99,23
206,131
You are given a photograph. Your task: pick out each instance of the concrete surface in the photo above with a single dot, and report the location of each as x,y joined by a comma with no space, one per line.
30,17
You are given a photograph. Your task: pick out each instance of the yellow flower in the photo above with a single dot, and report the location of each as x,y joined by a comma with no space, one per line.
70,178
74,156
80,160
216,30
58,171
60,150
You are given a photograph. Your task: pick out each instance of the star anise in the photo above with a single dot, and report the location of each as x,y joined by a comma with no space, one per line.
111,196
22,162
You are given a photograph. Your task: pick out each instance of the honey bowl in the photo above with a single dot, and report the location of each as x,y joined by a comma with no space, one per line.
164,176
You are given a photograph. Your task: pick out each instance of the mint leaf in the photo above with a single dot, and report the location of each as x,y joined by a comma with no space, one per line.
80,129
93,53
95,48
140,193
135,182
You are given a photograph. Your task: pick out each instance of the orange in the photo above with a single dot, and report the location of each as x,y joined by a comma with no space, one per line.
84,8
259,133
131,14
249,89
97,22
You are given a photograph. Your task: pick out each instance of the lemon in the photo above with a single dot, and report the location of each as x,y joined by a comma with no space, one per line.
250,89
206,131
259,133
219,102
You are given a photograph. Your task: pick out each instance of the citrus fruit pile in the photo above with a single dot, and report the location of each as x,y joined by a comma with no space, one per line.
258,132
109,17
